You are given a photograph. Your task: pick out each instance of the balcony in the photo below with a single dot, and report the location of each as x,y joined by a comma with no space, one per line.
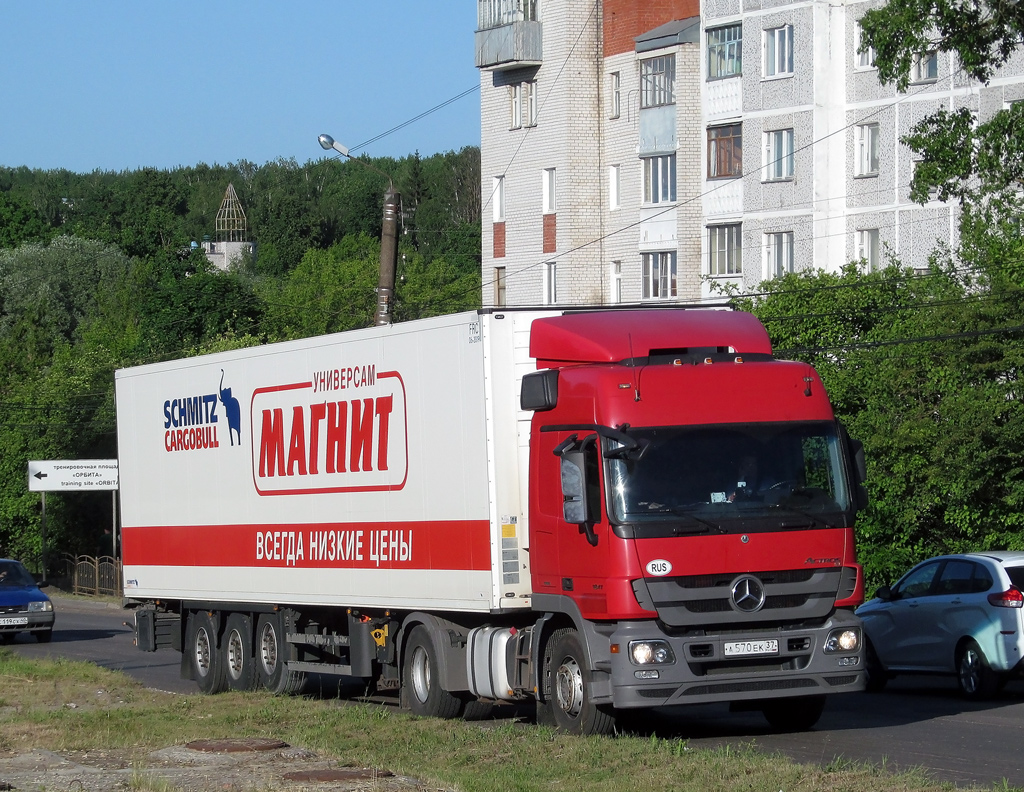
508,34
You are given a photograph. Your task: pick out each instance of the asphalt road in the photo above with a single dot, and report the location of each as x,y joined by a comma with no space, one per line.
916,722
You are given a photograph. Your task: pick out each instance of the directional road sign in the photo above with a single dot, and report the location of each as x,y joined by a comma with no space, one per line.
72,474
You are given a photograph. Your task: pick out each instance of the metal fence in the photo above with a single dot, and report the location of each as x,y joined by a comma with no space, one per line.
92,575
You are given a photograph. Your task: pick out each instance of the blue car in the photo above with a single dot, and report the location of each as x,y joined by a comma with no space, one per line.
23,607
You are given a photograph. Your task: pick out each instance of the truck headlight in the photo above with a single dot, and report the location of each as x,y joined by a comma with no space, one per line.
38,607
842,639
650,653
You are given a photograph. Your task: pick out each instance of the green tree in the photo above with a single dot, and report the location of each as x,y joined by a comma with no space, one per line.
980,165
922,370
20,222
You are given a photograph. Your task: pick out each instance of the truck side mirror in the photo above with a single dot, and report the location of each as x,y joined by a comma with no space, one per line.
574,488
859,463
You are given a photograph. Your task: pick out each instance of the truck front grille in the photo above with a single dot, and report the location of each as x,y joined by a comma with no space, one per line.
706,600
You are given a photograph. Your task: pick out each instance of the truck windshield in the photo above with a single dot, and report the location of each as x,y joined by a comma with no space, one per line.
709,476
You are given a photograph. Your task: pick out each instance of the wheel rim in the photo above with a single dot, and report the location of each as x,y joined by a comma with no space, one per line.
970,670
268,649
235,659
202,652
420,673
569,687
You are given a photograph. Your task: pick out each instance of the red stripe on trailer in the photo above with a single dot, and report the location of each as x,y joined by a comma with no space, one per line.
440,545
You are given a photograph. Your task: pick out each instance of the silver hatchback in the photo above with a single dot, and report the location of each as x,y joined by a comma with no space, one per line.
955,614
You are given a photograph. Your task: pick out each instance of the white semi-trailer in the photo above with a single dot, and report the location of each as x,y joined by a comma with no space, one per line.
494,506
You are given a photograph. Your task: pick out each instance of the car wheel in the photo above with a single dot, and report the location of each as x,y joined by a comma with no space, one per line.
975,676
45,636
794,714
877,675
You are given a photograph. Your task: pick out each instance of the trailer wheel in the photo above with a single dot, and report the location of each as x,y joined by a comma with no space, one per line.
794,714
272,656
421,680
238,657
206,660
567,704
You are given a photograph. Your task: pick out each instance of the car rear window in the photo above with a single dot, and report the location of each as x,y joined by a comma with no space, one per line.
1016,575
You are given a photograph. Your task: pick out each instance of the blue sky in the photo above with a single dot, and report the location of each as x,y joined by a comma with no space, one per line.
118,85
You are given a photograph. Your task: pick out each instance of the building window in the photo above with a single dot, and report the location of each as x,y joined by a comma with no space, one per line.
515,108
530,104
725,249
659,275
615,280
550,283
925,67
548,189
499,287
778,51
522,105
614,95
613,186
778,253
498,198
725,52
778,155
659,178
863,57
657,81
867,247
866,149
725,151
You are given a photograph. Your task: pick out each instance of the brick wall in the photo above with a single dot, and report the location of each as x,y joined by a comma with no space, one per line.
624,20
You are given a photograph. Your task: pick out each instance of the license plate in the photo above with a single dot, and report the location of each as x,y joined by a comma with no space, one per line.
13,621
740,648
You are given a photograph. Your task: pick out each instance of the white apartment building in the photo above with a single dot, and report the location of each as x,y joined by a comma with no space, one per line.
640,151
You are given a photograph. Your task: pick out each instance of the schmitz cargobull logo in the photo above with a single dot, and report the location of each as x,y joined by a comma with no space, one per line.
342,431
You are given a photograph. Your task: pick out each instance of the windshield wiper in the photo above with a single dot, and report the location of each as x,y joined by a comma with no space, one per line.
814,518
705,525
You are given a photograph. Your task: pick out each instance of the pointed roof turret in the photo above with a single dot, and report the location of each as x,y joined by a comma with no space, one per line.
231,224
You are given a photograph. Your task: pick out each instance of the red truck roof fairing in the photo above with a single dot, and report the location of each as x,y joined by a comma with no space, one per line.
611,336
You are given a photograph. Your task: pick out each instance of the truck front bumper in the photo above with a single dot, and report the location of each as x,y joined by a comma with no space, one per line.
735,665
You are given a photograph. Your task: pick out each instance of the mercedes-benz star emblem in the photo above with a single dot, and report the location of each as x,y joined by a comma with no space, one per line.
747,594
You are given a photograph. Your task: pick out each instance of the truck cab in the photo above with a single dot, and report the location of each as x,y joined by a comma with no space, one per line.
691,515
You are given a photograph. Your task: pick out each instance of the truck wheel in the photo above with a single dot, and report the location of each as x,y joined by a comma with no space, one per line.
975,676
794,714
272,655
237,648
207,664
421,680
567,705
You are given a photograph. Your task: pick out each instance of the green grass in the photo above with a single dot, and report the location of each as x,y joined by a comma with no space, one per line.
63,705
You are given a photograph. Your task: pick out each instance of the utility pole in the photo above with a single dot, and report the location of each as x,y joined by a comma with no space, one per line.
388,237
388,258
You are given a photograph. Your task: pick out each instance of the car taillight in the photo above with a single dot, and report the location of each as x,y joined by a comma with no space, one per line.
1011,598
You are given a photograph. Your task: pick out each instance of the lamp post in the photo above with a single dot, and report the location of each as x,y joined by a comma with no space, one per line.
388,236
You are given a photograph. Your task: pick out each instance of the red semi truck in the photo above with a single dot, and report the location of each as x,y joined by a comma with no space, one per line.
599,511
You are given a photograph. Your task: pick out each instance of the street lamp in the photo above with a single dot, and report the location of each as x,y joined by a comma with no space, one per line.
388,236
